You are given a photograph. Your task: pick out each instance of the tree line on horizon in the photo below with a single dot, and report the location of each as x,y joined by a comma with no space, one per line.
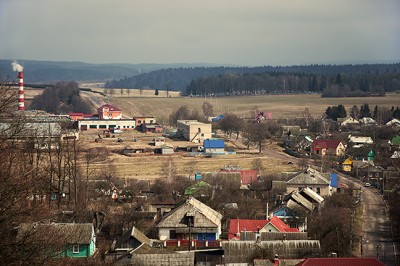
331,80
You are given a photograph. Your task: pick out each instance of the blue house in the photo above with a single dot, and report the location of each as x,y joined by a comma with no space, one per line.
214,146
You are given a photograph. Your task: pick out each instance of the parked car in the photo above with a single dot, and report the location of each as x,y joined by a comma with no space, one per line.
367,185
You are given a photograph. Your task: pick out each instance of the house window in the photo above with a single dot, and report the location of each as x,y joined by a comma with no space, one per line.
93,126
318,190
75,249
102,126
172,234
151,121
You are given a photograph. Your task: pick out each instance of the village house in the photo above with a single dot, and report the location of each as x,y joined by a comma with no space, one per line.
73,240
328,147
349,122
108,111
312,179
238,228
358,140
192,220
394,123
193,130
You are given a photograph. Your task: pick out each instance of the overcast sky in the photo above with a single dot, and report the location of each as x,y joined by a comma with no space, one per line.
239,32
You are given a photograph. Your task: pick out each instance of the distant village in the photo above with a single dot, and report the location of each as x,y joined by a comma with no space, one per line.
187,231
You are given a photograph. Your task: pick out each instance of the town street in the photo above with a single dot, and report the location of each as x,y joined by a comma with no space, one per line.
376,229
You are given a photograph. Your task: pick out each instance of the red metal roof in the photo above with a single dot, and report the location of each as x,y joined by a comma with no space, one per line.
246,176
281,226
240,225
340,262
325,143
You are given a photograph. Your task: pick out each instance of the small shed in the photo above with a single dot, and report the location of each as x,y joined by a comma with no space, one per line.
167,149
214,146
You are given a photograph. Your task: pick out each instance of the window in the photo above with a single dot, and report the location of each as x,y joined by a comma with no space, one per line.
318,190
151,121
93,126
75,249
102,126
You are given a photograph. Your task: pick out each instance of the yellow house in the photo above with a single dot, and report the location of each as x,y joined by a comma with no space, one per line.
347,165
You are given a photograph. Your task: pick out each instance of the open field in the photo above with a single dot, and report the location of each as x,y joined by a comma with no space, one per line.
149,166
281,106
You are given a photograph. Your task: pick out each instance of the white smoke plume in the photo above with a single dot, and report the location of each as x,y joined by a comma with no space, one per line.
16,66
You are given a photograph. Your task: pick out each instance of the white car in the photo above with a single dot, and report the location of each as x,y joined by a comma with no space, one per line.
367,185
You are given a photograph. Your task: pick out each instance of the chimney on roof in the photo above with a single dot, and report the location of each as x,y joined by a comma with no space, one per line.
276,260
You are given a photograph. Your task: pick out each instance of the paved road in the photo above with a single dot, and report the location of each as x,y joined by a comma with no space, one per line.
376,227
376,230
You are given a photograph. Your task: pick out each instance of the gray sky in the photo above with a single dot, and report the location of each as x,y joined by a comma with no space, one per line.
239,32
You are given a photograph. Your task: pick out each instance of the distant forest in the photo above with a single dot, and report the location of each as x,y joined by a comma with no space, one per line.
330,80
63,97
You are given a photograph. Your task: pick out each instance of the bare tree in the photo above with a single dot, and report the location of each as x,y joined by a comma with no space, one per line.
208,109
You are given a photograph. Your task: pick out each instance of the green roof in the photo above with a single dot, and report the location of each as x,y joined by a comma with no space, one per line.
199,185
396,140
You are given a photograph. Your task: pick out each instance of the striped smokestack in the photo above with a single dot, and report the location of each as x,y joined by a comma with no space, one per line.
21,98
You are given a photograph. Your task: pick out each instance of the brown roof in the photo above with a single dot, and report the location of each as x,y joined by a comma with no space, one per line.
69,233
325,143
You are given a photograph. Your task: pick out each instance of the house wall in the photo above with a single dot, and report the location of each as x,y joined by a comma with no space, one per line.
214,150
144,120
163,233
193,130
269,228
105,113
105,124
84,251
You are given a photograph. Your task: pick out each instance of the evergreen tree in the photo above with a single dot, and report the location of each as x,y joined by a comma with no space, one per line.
364,111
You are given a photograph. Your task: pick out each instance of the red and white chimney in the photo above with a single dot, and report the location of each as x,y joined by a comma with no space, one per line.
21,98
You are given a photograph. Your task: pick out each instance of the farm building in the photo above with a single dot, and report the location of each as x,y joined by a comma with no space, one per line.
151,128
193,130
214,146
144,120
106,124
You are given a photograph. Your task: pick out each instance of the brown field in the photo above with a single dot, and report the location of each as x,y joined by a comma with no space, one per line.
274,160
281,106
149,166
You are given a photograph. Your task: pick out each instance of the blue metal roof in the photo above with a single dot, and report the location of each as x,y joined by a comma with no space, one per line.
214,143
334,180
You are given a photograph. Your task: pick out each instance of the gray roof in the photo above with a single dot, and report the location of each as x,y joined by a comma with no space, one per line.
308,177
30,129
204,216
136,233
302,200
312,194
68,233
